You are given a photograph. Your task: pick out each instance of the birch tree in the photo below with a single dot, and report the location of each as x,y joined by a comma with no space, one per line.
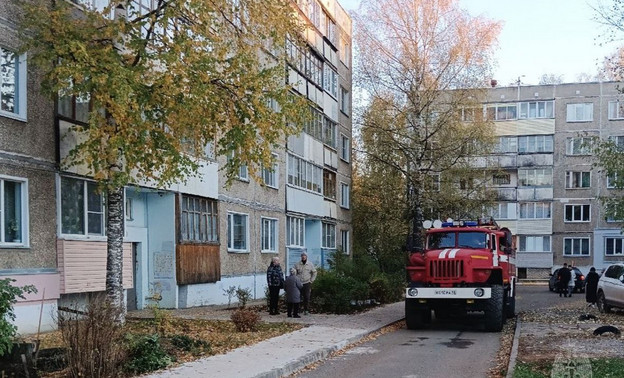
422,66
164,82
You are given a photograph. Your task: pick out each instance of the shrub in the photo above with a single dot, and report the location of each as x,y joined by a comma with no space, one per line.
386,288
230,291
8,297
333,292
189,344
245,320
162,320
243,295
146,354
93,339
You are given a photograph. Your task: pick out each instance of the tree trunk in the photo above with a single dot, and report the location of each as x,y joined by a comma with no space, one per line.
114,257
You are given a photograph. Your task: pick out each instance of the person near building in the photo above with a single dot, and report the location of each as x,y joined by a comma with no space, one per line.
591,287
293,287
275,281
307,274
564,278
572,281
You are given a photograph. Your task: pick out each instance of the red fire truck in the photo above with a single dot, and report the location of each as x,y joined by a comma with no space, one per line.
465,266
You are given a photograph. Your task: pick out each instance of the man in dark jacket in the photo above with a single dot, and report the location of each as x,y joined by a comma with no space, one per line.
591,287
564,277
275,280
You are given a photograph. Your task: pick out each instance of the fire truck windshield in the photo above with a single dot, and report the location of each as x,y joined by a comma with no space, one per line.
441,240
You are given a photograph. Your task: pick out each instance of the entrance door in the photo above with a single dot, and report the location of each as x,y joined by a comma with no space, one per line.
131,303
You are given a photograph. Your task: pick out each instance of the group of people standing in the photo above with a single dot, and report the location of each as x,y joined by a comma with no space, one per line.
567,282
298,286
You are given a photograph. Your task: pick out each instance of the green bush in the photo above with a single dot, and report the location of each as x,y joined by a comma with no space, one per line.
245,320
189,344
8,297
386,288
243,295
146,354
333,292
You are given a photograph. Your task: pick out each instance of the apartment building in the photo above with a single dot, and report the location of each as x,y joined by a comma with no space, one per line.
27,180
548,187
185,244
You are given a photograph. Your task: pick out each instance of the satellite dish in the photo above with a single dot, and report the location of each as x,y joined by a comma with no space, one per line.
437,223
427,224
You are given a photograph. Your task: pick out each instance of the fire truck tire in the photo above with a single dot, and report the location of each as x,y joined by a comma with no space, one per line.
416,317
494,316
510,305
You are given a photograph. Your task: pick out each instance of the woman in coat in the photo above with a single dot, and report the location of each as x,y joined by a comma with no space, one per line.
591,286
293,287
275,281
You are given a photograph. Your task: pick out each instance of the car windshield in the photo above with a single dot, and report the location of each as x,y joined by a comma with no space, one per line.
440,240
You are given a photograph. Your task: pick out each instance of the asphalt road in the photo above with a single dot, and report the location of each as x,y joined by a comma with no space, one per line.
453,348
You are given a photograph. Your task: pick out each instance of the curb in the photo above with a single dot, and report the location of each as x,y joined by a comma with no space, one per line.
317,355
514,350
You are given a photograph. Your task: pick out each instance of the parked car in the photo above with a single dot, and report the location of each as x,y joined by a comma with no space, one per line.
579,280
611,288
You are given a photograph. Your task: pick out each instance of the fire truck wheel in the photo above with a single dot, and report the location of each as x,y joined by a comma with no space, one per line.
510,305
416,317
494,310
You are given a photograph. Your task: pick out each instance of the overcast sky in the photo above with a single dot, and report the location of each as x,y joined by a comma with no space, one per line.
540,37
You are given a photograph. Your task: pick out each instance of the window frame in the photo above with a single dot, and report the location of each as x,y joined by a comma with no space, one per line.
580,239
212,219
573,108
535,205
345,102
583,149
272,173
85,220
345,202
614,241
299,222
24,213
522,239
528,106
345,240
534,177
329,185
20,100
583,206
328,241
230,232
612,108
274,239
570,179
345,148
299,169
535,144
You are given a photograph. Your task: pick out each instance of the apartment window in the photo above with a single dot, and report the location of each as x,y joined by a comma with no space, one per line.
75,108
328,235
577,213
198,219
306,62
82,208
576,246
330,81
314,125
535,144
345,51
269,234
344,195
269,175
613,246
507,145
535,210
345,101
295,231
577,180
503,210
304,174
502,112
329,184
238,234
501,179
612,181
344,241
535,177
12,84
329,132
534,243
616,110
537,109
618,141
583,112
243,172
13,210
579,146
345,148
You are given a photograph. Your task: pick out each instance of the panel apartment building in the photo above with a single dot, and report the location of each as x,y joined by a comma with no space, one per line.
548,189
186,244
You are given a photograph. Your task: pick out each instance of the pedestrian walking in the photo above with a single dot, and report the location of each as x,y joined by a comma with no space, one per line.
293,287
275,280
591,287
564,278
307,274
571,282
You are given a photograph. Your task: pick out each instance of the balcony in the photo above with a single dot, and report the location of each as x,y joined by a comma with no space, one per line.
506,194
535,160
533,193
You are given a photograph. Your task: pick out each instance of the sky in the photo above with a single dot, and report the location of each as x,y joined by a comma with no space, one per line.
539,37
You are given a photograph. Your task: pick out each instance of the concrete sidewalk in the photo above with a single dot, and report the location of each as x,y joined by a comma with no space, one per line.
283,355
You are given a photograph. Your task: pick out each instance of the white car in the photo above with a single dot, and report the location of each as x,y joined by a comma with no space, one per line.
611,288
